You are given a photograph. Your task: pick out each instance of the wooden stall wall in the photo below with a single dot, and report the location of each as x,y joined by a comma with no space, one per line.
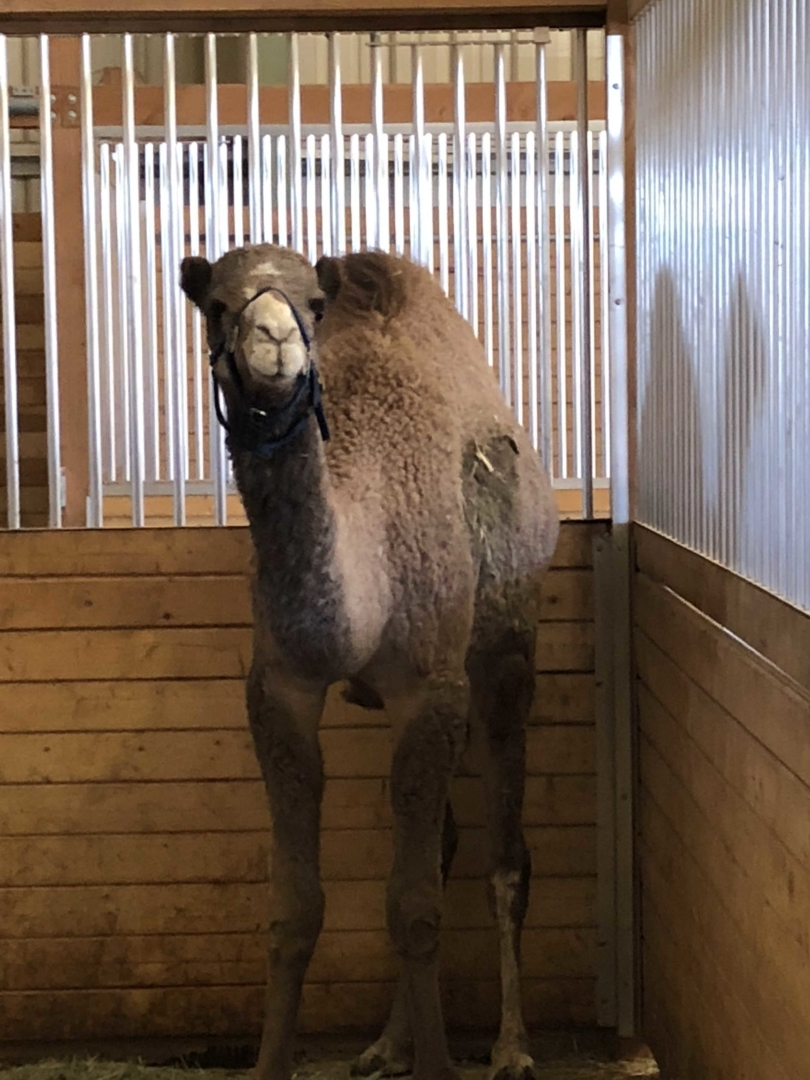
724,826
133,823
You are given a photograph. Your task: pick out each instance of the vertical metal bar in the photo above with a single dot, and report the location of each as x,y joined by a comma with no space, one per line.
312,200
590,311
560,276
460,261
577,301
472,229
382,238
542,38
532,302
296,180
49,285
238,192
326,195
428,238
198,365
9,313
486,245
517,287
413,196
151,375
585,166
281,188
419,208
95,513
254,139
354,188
338,175
444,234
224,197
399,194
107,309
175,362
502,228
368,186
133,211
167,273
125,413
268,229
213,244
604,305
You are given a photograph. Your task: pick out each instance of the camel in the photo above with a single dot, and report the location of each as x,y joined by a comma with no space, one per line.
402,525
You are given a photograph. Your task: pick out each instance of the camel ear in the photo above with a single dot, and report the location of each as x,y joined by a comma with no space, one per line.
195,280
329,276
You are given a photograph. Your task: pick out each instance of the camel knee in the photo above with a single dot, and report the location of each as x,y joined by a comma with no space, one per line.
294,933
414,922
509,888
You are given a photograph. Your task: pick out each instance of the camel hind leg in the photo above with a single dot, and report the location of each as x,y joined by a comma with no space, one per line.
502,689
392,1053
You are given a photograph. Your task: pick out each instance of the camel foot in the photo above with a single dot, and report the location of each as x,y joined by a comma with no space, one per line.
385,1058
511,1065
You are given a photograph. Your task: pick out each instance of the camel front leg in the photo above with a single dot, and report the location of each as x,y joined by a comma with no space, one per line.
425,759
284,717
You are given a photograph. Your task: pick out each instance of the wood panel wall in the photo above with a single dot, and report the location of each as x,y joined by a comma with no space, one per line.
133,823
724,822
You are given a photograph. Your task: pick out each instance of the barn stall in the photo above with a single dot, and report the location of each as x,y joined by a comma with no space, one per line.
655,377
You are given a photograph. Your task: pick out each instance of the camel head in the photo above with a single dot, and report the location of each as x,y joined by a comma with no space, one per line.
256,301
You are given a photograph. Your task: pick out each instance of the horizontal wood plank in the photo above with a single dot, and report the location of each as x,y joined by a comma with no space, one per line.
774,628
241,805
240,959
746,686
239,907
229,1011
346,855
47,603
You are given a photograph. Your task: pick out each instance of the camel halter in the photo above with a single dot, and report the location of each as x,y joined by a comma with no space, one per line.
254,428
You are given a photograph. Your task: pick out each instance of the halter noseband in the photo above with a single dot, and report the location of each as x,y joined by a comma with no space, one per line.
256,426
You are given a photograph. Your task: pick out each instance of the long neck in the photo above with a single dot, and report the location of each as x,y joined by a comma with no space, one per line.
293,526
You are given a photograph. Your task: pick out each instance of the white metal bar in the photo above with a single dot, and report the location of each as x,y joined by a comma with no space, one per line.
354,189
338,193
175,361
382,238
254,139
326,197
399,194
124,411
533,303
545,413
108,315
199,367
604,303
238,192
49,269
590,309
296,179
213,244
151,358
472,230
444,236
418,209
312,200
517,286
586,168
560,277
134,283
95,512
502,228
367,186
413,201
460,259
224,199
268,230
281,188
167,270
577,300
9,313
486,245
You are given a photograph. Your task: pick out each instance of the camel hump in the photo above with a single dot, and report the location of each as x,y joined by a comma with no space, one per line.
364,281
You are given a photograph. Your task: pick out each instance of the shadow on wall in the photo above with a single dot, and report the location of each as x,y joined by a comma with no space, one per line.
673,487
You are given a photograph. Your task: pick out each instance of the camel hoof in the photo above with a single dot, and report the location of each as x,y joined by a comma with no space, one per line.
516,1066
382,1059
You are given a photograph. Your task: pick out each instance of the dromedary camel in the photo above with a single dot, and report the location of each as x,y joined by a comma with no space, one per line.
402,556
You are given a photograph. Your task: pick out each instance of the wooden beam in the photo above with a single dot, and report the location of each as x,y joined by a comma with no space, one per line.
635,7
69,16
67,187
521,104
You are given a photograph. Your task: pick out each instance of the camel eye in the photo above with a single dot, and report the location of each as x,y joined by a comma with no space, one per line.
316,306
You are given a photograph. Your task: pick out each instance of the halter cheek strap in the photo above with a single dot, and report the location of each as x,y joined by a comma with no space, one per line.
253,427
